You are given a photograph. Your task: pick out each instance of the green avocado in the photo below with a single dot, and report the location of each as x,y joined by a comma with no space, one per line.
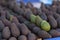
38,20
45,25
32,18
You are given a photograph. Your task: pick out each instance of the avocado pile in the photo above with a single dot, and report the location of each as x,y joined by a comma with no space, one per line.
25,22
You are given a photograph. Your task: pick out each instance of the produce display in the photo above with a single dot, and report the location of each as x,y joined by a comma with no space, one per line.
25,22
